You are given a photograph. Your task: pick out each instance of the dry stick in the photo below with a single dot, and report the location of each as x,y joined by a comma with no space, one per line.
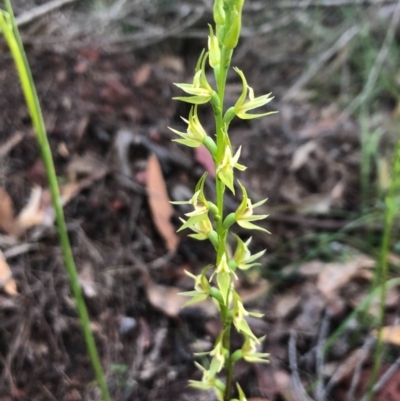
375,70
362,354
384,378
298,390
316,64
40,11
320,358
328,3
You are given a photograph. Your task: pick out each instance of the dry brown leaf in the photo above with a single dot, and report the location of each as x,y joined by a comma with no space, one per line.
302,154
390,334
169,301
161,209
7,220
7,283
87,282
142,75
175,64
334,276
39,209
33,213
254,293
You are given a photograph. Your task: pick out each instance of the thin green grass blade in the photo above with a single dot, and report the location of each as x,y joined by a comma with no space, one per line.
10,31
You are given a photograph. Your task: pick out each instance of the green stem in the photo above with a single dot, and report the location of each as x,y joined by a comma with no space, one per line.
390,213
226,56
14,42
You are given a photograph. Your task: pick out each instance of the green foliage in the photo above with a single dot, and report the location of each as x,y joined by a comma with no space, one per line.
10,32
207,220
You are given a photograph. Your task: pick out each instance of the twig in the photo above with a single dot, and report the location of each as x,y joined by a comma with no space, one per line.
298,391
384,378
9,145
320,358
324,3
40,11
317,63
376,68
150,37
362,355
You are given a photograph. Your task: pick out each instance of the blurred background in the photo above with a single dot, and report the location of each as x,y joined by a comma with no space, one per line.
104,72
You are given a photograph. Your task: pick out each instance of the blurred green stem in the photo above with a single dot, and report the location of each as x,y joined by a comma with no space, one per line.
13,39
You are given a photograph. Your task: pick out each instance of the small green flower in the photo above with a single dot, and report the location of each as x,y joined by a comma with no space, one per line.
243,256
199,203
208,382
242,106
224,273
200,89
250,354
226,166
239,317
202,229
195,134
218,355
244,214
201,287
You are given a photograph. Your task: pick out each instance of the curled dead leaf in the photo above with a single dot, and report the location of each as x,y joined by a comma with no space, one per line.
7,283
160,206
334,276
390,334
7,220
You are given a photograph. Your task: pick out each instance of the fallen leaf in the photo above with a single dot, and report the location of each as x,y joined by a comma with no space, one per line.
10,144
7,283
7,220
249,295
203,156
160,206
390,334
33,213
302,154
175,64
334,276
142,75
87,282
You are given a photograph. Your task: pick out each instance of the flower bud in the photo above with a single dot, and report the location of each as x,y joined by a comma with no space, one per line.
232,35
214,50
219,12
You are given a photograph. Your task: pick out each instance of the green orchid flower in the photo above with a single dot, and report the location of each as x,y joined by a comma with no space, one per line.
200,89
228,163
244,214
202,287
243,257
239,317
209,381
195,135
243,105
249,351
199,203
224,273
